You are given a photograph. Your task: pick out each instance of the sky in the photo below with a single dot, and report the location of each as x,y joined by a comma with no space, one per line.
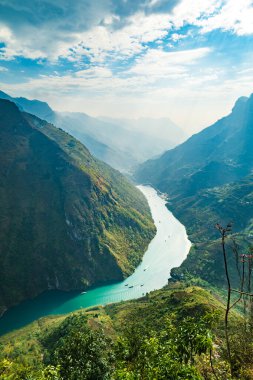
186,60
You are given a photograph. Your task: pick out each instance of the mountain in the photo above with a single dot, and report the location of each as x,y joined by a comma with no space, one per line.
209,180
199,213
36,107
217,155
43,111
115,141
67,220
156,136
100,137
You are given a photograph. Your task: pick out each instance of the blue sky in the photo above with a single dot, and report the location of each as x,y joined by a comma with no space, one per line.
187,60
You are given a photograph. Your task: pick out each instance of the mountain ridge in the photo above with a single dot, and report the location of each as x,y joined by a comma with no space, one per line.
111,140
216,152
68,221
208,180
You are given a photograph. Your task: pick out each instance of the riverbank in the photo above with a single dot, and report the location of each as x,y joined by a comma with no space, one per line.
168,249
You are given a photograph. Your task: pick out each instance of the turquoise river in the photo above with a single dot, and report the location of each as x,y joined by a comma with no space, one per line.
168,249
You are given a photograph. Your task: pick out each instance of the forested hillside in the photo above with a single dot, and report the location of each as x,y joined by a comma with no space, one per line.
67,220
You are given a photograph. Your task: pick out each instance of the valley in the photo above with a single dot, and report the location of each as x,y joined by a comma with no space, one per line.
73,223
114,141
126,190
107,280
151,274
209,180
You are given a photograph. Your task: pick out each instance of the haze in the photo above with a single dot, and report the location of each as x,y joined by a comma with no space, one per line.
129,59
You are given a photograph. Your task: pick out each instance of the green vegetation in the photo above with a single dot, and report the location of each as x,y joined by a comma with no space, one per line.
114,141
67,220
218,155
209,180
174,333
200,213
166,334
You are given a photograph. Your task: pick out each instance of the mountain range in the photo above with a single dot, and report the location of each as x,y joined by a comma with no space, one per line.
121,143
219,154
67,220
208,180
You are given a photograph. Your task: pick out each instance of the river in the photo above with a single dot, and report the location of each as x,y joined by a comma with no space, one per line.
168,249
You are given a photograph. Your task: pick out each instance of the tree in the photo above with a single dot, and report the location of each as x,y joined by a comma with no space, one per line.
168,354
81,353
244,268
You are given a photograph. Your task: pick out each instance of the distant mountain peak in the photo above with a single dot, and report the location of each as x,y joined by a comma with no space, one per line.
240,104
3,95
7,105
35,107
219,154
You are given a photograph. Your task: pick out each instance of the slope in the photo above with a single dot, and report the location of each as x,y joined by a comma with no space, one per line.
217,155
209,180
67,221
115,141
228,203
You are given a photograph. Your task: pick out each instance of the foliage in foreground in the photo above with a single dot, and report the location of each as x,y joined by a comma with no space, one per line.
73,351
168,334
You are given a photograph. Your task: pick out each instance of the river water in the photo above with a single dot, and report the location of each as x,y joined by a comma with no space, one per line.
168,249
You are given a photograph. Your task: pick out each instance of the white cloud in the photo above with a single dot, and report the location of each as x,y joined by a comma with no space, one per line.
53,33
16,46
94,72
177,37
189,14
85,28
234,16
154,71
227,15
194,98
97,43
159,63
100,42
118,73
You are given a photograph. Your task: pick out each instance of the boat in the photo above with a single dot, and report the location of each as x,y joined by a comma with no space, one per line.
131,286
83,292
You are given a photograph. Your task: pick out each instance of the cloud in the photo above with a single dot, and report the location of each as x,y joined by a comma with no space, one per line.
177,37
126,8
94,30
159,63
145,54
143,77
94,72
49,29
100,43
234,16
226,15
183,14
